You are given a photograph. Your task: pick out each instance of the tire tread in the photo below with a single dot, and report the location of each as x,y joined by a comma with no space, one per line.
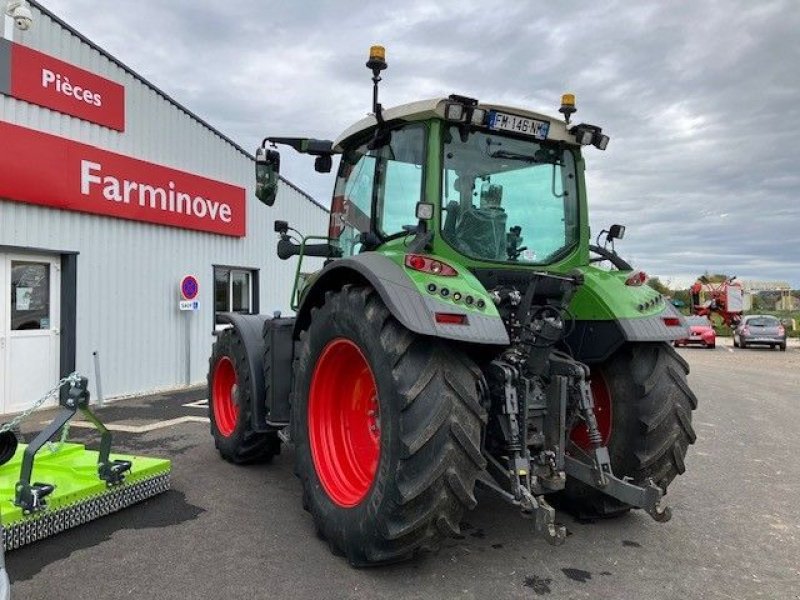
662,402
440,425
245,446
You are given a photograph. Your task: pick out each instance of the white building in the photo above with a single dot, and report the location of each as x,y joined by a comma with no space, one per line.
110,193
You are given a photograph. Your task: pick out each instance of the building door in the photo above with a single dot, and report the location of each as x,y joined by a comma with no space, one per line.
29,329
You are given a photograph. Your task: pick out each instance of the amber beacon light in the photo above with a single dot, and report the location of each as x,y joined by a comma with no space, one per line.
567,106
377,58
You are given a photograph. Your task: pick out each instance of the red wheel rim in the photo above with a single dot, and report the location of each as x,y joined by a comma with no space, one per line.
344,423
224,394
602,411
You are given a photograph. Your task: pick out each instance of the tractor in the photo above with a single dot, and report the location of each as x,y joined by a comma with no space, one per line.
461,333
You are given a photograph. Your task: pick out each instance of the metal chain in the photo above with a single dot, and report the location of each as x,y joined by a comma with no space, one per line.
73,378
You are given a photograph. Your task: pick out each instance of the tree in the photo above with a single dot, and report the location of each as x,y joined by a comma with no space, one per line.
683,296
657,285
756,303
713,277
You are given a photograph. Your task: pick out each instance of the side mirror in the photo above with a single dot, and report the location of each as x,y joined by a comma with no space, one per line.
616,232
323,163
268,166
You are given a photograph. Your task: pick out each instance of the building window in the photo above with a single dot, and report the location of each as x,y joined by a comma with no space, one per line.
235,290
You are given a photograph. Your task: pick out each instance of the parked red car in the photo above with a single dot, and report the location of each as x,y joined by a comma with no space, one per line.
702,332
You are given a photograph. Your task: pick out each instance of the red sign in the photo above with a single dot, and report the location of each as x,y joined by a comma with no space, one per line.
189,287
41,79
40,168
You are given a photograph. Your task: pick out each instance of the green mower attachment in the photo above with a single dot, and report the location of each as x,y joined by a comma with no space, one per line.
66,485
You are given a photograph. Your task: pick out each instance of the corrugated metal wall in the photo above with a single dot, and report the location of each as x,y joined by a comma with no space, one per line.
128,272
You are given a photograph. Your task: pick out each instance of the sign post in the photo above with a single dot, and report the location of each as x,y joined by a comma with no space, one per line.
189,304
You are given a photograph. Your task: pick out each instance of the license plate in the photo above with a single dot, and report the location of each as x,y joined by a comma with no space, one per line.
505,122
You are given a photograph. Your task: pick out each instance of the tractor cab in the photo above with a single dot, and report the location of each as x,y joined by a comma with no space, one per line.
448,167
473,182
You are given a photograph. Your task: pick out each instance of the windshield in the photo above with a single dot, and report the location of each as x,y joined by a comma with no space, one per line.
507,199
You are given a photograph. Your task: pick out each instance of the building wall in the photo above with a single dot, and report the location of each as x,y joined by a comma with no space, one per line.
128,272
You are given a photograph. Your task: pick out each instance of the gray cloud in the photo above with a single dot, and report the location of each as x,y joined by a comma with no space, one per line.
701,99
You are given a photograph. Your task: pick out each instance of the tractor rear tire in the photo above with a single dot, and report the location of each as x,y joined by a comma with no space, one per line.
651,429
230,405
387,429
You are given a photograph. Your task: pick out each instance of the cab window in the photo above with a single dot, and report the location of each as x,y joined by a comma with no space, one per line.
400,181
389,178
352,199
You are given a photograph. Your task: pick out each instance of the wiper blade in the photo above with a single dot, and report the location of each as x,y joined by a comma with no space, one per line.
541,157
514,156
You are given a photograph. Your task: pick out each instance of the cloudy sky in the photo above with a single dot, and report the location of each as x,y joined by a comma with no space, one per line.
701,98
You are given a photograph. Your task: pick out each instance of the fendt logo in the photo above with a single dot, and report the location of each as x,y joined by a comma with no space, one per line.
52,83
53,171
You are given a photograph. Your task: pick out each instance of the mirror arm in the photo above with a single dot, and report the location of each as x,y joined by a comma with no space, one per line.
311,146
421,242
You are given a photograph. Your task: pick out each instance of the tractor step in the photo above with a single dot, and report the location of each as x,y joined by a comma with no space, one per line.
75,492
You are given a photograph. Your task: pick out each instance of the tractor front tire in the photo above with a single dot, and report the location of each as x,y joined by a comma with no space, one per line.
387,428
651,419
230,404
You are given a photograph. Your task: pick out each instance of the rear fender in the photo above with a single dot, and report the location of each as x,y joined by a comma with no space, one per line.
401,293
608,313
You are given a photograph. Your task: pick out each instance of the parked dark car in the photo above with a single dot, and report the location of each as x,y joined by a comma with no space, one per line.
759,330
701,332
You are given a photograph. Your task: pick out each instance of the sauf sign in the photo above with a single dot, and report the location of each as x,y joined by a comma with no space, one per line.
47,81
52,171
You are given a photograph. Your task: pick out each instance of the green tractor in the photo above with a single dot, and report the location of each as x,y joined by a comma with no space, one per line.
459,334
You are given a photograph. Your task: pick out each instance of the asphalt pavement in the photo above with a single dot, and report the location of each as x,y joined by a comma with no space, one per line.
240,532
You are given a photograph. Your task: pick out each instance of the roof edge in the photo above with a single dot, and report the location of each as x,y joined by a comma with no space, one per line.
48,13
55,18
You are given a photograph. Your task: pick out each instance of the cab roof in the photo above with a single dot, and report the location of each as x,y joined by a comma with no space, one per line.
435,107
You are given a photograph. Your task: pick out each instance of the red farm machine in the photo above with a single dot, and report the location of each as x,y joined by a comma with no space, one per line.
724,298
